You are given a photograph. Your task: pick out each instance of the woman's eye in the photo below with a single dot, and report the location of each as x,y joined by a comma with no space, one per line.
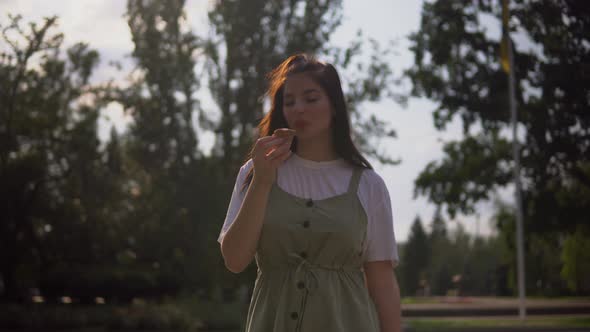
313,100
289,103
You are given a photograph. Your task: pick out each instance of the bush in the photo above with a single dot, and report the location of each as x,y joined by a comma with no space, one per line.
114,283
135,317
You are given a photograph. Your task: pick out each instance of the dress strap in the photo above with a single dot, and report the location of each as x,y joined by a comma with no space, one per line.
354,180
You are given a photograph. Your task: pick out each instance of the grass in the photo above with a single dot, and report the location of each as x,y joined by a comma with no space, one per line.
559,298
484,299
434,324
186,313
419,300
214,314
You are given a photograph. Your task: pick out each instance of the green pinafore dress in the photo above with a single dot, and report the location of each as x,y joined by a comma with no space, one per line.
309,259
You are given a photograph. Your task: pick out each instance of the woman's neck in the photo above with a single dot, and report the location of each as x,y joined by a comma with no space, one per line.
316,150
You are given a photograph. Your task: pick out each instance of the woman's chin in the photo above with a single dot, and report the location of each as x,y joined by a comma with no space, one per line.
311,136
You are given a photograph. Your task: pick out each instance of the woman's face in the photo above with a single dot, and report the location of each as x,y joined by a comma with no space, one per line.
307,107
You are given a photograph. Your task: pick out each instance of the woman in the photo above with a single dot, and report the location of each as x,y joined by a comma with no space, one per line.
313,213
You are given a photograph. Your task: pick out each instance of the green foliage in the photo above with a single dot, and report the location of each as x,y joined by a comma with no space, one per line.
544,322
162,101
468,173
576,260
50,162
457,66
542,257
415,258
84,283
438,229
140,316
166,173
440,262
56,317
154,317
214,314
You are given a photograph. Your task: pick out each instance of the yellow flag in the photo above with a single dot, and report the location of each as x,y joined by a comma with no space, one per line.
504,58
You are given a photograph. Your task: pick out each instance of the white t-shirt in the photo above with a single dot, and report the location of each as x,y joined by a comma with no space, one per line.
319,180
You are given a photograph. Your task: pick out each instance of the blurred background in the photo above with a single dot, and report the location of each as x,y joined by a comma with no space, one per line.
123,125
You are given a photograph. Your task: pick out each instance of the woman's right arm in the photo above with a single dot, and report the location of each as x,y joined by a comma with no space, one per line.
239,244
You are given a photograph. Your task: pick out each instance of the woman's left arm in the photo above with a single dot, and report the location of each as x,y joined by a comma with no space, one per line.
384,291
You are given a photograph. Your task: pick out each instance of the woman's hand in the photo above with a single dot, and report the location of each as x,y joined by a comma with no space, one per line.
268,154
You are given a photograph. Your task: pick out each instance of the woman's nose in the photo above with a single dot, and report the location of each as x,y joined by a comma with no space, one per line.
299,107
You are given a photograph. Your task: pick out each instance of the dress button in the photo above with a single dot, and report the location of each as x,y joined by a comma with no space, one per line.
306,224
300,285
294,315
309,203
303,255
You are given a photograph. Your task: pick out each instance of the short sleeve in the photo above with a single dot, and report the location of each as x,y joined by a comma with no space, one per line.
236,200
381,243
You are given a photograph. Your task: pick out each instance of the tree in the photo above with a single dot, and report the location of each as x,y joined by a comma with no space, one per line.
415,259
438,271
162,100
438,228
482,268
457,66
576,260
50,161
542,250
167,172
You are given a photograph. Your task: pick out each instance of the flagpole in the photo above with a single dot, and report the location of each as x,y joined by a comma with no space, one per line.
516,156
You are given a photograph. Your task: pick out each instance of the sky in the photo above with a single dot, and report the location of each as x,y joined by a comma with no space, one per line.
101,24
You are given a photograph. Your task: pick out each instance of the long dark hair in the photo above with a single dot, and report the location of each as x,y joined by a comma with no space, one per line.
326,76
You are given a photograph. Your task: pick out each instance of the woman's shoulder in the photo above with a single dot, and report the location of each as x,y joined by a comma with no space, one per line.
370,176
372,184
